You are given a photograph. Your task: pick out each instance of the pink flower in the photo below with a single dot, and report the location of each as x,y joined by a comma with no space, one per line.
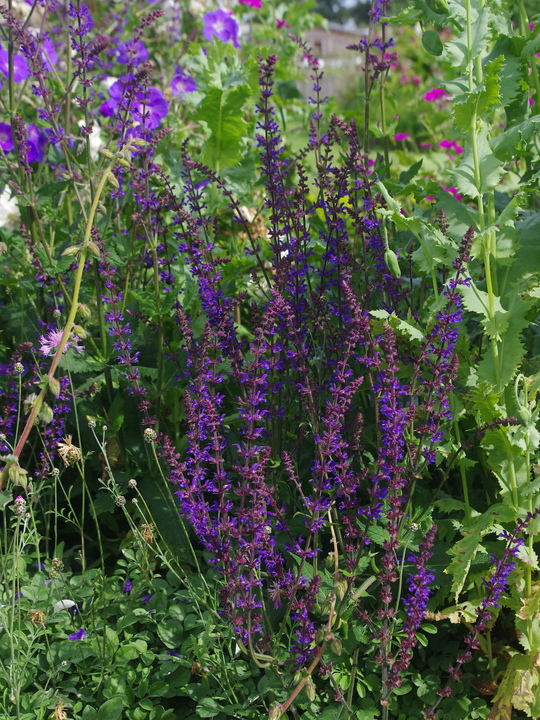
451,145
435,94
251,3
401,136
49,342
453,191
282,23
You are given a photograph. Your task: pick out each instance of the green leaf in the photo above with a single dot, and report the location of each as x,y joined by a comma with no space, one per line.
111,709
432,42
514,140
170,632
208,708
496,322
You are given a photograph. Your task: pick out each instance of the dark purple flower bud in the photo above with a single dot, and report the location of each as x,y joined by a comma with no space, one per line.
128,585
222,25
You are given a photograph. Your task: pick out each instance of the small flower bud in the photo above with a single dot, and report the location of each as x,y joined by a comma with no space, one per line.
71,251
311,692
19,506
84,311
132,483
150,435
336,646
392,263
120,500
18,368
54,386
275,712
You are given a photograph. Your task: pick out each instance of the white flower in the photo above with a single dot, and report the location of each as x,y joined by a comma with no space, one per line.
96,141
63,605
10,215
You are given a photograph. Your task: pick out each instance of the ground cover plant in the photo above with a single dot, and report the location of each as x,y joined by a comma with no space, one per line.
268,392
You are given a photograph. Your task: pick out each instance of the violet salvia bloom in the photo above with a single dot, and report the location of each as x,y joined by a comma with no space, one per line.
220,24
418,587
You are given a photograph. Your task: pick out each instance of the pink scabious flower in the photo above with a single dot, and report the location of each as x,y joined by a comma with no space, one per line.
401,136
436,94
252,3
51,340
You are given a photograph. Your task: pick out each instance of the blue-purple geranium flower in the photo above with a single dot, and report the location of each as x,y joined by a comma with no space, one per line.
133,52
182,83
147,106
6,137
80,634
222,25
20,66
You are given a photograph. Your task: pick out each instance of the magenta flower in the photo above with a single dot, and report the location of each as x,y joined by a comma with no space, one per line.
182,83
453,191
451,145
80,634
435,94
401,136
222,25
6,137
251,3
49,342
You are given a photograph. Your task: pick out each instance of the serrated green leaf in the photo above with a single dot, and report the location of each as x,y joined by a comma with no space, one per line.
458,52
507,144
479,103
465,550
490,168
221,111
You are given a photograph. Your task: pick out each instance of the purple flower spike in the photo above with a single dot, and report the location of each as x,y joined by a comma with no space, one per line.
80,634
182,83
20,66
222,25
6,137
